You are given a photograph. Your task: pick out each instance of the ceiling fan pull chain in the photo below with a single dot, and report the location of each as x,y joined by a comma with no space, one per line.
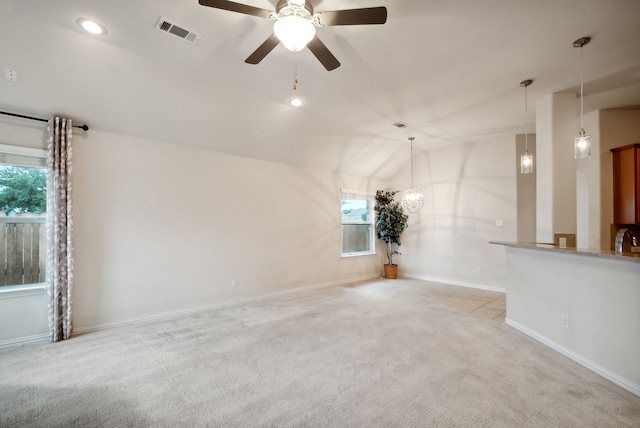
295,74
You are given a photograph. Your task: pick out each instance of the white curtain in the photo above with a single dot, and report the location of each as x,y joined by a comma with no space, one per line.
59,228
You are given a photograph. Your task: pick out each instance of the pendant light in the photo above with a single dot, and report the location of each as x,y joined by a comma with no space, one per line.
412,199
582,143
526,160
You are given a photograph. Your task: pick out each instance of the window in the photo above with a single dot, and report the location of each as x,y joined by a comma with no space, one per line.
358,226
23,196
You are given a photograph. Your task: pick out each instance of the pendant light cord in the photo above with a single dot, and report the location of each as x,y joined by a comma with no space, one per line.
525,84
526,134
581,93
411,139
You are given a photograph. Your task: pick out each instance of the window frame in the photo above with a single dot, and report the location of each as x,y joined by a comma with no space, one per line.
349,195
6,153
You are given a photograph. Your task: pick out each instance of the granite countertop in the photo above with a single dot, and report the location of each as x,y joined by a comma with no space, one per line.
627,256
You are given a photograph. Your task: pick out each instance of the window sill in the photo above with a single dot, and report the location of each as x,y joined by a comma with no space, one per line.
13,291
348,256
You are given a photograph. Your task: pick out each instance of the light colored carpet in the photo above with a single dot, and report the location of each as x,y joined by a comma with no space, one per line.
379,354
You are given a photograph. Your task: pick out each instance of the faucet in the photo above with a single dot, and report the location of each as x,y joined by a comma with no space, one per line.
620,242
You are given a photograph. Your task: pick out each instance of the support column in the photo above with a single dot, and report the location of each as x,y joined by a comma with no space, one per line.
588,192
556,166
526,190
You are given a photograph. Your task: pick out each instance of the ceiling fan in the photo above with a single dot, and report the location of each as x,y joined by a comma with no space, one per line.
295,26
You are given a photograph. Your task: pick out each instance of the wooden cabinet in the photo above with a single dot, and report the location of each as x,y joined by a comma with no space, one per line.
626,184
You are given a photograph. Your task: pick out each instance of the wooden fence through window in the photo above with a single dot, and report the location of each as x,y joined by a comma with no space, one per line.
22,250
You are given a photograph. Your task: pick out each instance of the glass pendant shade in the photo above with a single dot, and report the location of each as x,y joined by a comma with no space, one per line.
294,32
412,200
526,163
582,145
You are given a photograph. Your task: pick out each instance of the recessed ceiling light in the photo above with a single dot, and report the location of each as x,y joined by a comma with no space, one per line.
296,102
91,26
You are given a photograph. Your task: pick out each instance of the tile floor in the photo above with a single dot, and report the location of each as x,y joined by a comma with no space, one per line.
494,309
464,300
471,301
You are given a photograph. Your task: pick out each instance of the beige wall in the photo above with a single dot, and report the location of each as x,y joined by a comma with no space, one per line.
162,228
467,188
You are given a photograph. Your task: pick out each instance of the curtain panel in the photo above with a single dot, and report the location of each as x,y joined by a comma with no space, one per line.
59,228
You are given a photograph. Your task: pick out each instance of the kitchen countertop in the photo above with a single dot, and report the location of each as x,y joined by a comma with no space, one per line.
627,256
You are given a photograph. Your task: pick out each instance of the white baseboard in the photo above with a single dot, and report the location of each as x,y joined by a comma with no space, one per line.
590,365
459,283
21,341
172,314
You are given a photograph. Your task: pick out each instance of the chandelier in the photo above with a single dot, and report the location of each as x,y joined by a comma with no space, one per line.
412,198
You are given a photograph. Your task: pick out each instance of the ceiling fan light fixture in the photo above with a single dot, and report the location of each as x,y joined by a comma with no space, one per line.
295,32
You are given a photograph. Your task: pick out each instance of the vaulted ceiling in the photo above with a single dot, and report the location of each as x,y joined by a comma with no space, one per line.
450,70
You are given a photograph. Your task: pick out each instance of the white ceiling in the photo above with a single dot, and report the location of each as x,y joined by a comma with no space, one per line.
448,69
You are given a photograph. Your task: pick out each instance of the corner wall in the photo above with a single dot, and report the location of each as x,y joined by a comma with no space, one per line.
468,189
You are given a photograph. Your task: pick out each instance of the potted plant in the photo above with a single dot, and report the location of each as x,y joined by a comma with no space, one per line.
390,223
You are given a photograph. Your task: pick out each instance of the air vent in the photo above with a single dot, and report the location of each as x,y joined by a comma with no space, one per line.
171,28
399,125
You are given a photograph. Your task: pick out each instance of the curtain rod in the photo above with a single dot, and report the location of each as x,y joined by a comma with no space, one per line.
83,127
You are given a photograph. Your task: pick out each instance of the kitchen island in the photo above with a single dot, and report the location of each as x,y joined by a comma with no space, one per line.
584,304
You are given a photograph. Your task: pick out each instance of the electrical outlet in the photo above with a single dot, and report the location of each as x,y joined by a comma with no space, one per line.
234,282
500,222
478,271
11,75
565,320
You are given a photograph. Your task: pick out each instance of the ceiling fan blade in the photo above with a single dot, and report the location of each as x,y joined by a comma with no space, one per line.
324,55
263,50
365,16
236,7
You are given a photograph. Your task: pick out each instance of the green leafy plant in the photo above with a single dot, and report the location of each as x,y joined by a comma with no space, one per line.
390,221
23,190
